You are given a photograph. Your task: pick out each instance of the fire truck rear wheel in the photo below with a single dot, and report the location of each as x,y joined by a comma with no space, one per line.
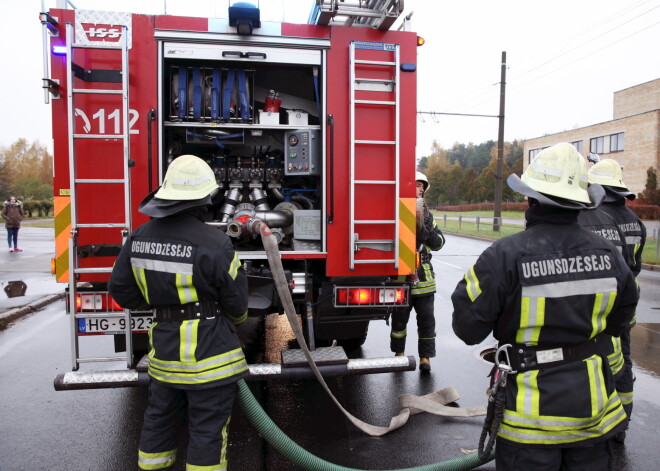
355,342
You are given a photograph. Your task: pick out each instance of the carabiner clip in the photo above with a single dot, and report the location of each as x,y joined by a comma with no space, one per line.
504,365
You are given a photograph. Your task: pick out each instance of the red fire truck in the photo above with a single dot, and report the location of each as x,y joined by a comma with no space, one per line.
308,127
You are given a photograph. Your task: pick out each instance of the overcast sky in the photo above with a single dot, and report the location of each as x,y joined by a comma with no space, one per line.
565,60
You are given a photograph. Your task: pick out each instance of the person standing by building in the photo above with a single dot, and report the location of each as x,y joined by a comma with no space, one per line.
428,238
12,213
608,174
549,293
190,274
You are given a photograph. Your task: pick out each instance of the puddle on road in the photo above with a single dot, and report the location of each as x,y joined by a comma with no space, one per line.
645,347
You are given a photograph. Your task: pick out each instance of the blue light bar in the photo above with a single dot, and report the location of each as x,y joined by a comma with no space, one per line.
59,49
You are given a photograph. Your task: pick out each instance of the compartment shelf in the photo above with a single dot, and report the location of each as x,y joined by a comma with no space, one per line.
192,124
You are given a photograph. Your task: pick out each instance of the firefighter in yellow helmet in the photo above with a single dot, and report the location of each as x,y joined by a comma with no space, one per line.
550,292
190,274
428,238
608,173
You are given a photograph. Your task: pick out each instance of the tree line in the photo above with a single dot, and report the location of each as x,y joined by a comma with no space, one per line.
466,173
26,171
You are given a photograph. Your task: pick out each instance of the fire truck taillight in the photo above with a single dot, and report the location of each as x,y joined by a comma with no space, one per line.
115,305
92,302
52,266
420,41
379,296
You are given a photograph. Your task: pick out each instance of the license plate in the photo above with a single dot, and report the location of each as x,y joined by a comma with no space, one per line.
113,325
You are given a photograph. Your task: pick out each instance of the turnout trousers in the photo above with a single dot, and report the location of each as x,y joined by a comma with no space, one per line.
423,306
624,385
512,457
208,414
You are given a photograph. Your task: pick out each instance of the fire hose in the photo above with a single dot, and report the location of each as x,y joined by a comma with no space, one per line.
287,447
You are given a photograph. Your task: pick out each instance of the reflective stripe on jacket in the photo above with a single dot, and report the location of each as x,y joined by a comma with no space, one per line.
435,240
554,284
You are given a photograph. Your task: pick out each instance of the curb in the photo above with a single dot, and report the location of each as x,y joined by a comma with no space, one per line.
7,317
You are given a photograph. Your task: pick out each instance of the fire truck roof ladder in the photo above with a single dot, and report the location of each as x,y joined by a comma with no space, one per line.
377,14
386,86
74,70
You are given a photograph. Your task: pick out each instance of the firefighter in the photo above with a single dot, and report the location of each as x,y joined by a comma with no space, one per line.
429,238
601,223
190,274
607,173
550,292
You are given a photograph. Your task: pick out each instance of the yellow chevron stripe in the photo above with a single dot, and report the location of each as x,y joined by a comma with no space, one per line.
62,211
407,208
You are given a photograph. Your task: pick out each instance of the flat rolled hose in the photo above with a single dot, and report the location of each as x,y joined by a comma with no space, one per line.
306,460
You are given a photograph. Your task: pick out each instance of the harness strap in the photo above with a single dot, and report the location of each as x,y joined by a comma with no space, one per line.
525,358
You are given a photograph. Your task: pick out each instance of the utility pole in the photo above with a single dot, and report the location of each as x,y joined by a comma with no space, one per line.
497,214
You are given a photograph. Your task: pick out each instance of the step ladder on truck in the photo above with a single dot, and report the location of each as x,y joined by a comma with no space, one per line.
332,173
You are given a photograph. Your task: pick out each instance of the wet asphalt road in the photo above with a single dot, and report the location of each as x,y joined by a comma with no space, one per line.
99,429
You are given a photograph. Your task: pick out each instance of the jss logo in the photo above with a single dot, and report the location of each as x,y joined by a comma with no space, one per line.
102,32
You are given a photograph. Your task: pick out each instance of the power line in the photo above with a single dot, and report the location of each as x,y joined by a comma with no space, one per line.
477,94
584,43
585,56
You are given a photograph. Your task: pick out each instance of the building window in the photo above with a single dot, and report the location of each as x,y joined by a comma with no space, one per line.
577,145
597,145
616,142
534,152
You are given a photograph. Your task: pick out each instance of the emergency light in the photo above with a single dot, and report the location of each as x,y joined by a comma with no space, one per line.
59,50
245,17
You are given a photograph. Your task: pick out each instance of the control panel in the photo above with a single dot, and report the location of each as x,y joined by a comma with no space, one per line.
302,152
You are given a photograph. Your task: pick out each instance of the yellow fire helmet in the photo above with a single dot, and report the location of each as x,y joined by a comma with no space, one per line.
609,174
189,182
558,177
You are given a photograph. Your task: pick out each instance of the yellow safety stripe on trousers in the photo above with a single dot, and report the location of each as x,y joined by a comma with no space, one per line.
570,430
204,377
234,266
472,284
626,397
225,441
186,289
602,307
528,396
156,460
62,219
407,223
188,340
141,279
222,465
615,359
596,383
211,467
532,318
399,334
152,349
238,320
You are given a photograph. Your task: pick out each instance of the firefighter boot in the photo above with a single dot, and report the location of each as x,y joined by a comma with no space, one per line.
399,354
424,365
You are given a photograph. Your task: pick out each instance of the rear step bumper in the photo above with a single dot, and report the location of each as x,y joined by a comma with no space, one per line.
258,371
